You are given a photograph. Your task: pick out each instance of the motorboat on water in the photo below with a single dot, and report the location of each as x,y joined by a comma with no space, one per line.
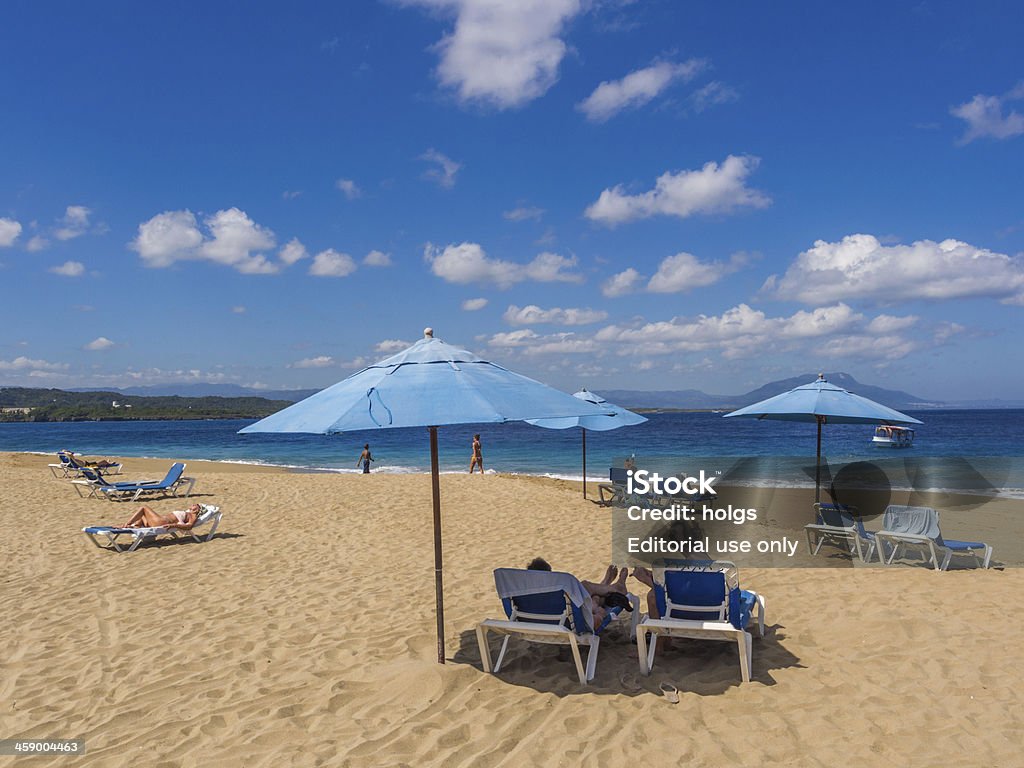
889,436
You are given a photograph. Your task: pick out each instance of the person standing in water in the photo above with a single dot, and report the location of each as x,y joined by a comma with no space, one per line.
478,456
365,458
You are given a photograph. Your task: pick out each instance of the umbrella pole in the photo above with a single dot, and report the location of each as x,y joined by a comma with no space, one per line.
438,577
584,463
817,464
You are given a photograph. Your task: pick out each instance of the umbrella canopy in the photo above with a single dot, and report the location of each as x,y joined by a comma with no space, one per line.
619,417
616,416
823,403
428,385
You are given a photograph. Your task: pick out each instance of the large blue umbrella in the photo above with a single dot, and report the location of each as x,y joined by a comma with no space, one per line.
619,417
823,403
427,385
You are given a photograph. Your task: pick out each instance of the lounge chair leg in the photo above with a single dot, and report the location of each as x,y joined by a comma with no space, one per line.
595,643
501,653
578,659
652,649
988,556
641,650
485,650
744,645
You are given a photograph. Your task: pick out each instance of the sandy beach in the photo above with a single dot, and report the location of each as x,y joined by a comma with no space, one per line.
303,634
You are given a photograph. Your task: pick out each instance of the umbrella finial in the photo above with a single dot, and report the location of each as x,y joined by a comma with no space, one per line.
428,332
821,377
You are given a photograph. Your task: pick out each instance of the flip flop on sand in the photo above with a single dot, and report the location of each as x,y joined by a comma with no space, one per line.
670,692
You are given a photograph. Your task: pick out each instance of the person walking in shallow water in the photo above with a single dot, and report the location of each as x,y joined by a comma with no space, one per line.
365,458
478,456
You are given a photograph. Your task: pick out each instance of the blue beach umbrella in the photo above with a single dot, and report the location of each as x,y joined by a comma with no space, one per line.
430,384
823,403
618,417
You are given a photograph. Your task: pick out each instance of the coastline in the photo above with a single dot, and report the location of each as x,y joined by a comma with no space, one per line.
304,631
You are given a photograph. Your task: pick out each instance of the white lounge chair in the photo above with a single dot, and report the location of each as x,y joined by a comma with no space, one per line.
548,607
918,528
109,537
702,600
841,526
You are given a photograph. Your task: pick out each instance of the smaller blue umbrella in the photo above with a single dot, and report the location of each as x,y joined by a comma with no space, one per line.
823,403
616,417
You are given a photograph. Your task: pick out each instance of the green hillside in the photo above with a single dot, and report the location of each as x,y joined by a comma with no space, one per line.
25,404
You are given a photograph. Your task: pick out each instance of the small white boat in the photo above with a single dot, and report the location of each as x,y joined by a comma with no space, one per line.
893,437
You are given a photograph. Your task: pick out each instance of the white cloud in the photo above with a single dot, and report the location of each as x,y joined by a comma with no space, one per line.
69,269
636,89
472,305
323,361
502,53
883,324
860,267
28,364
712,94
390,346
292,251
9,231
622,283
444,173
350,189
737,332
468,263
684,271
531,343
291,194
377,259
37,243
238,309
985,119
524,213
712,189
534,315
234,240
74,223
98,344
330,263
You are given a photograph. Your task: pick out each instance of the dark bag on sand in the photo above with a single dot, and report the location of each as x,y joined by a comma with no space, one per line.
617,600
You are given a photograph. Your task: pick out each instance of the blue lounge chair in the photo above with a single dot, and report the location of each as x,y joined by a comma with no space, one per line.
107,537
170,485
918,528
701,599
614,491
841,526
547,607
69,466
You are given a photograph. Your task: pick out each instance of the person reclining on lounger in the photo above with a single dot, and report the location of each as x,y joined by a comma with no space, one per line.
610,592
101,464
147,518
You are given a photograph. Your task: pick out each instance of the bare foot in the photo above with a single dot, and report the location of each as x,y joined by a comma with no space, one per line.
609,575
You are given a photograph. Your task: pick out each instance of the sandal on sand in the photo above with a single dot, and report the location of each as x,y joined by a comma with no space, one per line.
670,692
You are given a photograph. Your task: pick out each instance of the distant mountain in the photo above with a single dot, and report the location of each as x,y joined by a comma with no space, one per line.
694,398
204,390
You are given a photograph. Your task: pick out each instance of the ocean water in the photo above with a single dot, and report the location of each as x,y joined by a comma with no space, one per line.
985,442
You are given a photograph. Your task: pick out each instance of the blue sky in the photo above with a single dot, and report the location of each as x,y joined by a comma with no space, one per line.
644,195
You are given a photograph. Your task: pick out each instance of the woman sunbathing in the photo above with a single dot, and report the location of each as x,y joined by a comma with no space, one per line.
147,518
610,592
